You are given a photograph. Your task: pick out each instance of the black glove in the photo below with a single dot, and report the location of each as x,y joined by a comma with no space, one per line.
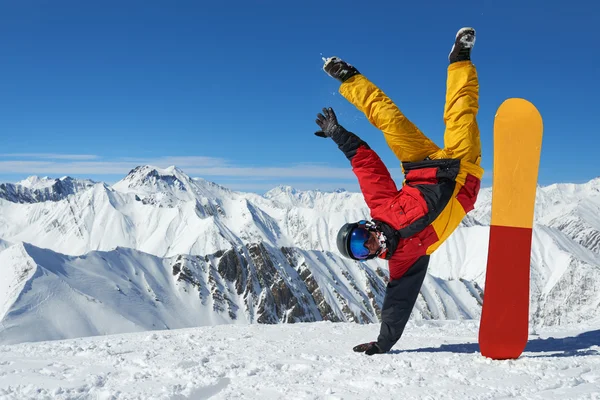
368,348
339,69
348,142
327,122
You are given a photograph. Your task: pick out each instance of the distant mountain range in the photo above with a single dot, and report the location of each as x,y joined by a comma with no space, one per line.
159,250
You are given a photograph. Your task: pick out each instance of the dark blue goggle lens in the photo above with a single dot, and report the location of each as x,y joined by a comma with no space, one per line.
358,238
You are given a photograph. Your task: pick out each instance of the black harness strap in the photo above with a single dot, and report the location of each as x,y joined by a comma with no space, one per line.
437,196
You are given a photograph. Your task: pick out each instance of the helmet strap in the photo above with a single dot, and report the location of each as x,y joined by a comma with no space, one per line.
382,243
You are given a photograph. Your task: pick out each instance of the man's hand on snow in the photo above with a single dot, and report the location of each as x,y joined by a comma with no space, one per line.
327,122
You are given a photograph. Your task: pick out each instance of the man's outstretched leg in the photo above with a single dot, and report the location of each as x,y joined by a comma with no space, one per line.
406,141
461,138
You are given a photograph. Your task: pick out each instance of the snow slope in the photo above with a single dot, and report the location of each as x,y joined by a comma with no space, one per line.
46,295
53,296
4,244
434,360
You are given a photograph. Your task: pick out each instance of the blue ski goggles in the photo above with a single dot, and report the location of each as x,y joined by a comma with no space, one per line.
358,240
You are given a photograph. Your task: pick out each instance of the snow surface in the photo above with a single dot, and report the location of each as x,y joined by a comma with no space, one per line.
434,360
4,244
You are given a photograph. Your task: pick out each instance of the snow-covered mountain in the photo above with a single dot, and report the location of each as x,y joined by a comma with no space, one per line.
35,189
160,249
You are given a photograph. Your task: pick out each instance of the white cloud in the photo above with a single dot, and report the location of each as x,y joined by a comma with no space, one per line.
179,161
47,168
304,176
263,186
57,164
51,156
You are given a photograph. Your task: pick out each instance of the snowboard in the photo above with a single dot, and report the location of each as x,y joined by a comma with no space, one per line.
504,326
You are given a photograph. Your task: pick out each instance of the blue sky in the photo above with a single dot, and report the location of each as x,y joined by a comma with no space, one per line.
229,91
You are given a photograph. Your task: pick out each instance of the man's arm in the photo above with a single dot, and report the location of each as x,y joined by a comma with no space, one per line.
373,176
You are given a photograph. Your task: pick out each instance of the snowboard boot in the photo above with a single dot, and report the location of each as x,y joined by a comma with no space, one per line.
339,69
368,348
464,42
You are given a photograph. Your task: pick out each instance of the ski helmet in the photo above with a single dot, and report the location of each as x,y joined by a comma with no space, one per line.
351,241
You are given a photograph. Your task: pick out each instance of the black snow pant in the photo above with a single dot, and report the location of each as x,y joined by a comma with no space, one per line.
400,298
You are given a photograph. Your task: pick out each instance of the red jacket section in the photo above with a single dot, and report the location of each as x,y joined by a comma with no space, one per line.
429,187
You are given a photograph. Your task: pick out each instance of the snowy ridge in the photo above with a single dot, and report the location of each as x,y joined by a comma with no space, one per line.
4,244
35,189
15,278
167,187
246,258
287,196
125,290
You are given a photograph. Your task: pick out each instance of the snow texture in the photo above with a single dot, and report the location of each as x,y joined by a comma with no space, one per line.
435,360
